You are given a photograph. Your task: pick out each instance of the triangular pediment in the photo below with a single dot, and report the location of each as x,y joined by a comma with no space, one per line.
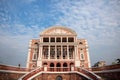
58,31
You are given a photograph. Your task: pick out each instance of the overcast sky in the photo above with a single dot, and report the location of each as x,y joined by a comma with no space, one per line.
98,21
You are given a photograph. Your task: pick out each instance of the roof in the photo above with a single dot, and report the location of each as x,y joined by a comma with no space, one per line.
58,30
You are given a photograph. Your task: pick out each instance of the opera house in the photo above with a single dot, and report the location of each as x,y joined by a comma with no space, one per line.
56,55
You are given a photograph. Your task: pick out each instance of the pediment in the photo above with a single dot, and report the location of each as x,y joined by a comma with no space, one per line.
58,31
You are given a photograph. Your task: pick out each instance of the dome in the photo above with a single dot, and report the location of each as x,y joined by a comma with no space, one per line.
58,30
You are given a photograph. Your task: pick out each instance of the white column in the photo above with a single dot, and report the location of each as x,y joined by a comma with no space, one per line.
39,62
61,52
67,39
49,39
41,39
28,58
61,39
49,52
41,50
76,55
77,61
75,39
55,40
67,52
40,53
55,52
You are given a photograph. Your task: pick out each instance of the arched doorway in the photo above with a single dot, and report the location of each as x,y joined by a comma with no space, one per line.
58,66
65,67
45,66
51,66
72,66
59,78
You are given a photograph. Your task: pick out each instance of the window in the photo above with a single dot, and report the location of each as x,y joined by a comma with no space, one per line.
58,52
82,56
80,43
45,52
70,39
46,39
58,40
35,56
64,39
52,52
52,39
64,52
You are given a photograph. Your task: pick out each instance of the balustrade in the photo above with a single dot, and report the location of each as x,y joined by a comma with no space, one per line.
61,69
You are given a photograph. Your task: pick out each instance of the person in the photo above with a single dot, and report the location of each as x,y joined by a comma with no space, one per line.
19,65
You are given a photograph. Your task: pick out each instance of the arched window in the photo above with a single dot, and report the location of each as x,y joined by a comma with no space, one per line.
36,46
65,67
58,66
51,66
71,64
45,64
59,78
80,43
82,57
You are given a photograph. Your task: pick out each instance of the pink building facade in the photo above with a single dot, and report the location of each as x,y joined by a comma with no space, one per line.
58,47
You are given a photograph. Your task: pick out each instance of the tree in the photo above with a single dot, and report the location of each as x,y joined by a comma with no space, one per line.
118,61
96,64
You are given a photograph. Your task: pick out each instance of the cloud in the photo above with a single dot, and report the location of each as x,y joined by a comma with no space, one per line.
14,42
96,21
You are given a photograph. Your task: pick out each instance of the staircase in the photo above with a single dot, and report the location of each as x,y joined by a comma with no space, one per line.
88,73
84,72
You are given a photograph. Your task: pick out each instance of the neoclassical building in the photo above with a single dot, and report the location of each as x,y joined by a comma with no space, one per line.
59,55
58,47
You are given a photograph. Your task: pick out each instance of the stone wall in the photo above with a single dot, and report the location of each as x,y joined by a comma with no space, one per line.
64,76
10,76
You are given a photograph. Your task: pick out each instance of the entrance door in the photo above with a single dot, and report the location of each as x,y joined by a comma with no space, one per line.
59,78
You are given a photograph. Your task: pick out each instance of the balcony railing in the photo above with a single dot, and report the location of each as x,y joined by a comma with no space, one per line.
58,69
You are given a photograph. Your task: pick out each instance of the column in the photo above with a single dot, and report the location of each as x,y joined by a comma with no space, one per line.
67,52
41,48
49,52
61,39
49,39
61,52
67,39
75,39
41,39
39,62
55,52
39,56
55,40
76,56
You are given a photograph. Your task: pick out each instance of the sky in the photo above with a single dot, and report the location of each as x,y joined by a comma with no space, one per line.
98,21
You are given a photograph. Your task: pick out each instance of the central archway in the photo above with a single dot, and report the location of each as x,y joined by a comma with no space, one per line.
59,78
